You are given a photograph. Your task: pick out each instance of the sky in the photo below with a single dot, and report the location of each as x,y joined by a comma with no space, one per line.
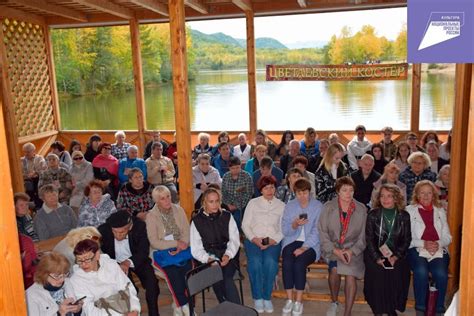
309,27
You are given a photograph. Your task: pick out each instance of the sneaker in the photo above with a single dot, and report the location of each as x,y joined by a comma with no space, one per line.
297,309
332,310
268,306
258,305
185,310
177,311
288,307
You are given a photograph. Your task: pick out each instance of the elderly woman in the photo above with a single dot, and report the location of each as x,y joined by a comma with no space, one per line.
98,276
105,168
286,192
67,244
214,236
129,162
418,169
59,177
97,206
24,221
428,252
119,149
253,164
53,219
32,166
167,227
81,173
329,171
59,149
300,243
342,233
203,147
442,184
203,175
49,296
262,229
135,196
390,175
388,235
161,170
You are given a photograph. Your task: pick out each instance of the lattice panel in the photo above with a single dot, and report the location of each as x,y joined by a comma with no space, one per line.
29,77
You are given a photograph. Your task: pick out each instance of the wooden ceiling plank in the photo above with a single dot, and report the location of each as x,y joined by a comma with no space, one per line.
302,3
245,5
108,7
43,6
197,5
6,12
152,5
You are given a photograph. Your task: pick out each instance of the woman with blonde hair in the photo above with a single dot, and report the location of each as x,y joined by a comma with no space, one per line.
330,169
203,146
428,253
390,175
418,169
67,244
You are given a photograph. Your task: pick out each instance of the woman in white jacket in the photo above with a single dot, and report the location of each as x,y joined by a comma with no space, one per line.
428,251
97,276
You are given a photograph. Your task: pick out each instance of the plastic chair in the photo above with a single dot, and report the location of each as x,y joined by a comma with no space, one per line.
203,277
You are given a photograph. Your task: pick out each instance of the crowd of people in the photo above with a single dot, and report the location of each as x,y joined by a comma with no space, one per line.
371,211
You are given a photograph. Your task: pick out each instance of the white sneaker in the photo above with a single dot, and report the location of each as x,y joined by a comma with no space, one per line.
332,310
258,305
268,306
297,309
288,307
185,310
177,311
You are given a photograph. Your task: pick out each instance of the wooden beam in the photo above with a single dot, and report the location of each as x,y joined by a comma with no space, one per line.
12,299
251,73
152,5
30,138
415,98
197,5
138,79
458,175
302,3
181,103
52,77
9,121
44,6
244,5
467,252
6,12
108,7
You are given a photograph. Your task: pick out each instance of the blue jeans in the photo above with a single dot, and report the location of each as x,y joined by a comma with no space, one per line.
237,218
294,268
262,267
439,274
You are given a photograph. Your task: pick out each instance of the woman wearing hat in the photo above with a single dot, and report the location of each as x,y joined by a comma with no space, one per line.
81,173
105,168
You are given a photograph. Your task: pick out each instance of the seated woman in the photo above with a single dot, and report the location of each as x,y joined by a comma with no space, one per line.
428,252
418,169
309,146
59,149
81,173
97,276
390,175
222,137
215,236
24,221
29,259
135,196
301,163
67,244
129,162
92,147
75,145
442,184
262,229
315,161
300,243
253,164
96,207
445,148
105,168
203,175
242,149
32,166
432,149
262,139
429,136
203,147
57,176
284,145
167,227
388,237
329,171
377,152
49,296
286,192
401,156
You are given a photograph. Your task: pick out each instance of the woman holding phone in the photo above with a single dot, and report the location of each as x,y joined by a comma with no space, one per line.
300,243
388,236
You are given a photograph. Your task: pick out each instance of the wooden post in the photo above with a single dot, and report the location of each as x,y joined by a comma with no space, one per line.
467,252
181,103
9,121
460,184
251,73
52,77
415,98
138,78
12,295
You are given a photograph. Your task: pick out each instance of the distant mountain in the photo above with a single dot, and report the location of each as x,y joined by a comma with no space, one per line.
308,44
221,38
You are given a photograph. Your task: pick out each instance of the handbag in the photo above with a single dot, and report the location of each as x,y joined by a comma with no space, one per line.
431,301
163,258
118,302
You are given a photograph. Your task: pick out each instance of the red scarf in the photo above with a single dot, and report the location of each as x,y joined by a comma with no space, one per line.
345,221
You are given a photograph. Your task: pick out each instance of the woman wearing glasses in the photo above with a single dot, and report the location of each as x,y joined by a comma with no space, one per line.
97,276
81,173
48,296
105,168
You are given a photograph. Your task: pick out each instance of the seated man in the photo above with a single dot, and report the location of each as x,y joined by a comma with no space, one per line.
32,166
53,219
266,169
59,177
129,162
389,147
357,147
161,170
285,160
364,179
126,241
156,139
242,150
221,160
24,221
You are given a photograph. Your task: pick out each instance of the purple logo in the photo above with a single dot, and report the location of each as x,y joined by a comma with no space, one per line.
440,31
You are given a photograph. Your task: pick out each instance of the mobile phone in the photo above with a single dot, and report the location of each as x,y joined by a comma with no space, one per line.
387,265
78,301
304,216
265,241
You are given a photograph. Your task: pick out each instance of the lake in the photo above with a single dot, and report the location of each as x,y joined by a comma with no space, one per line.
219,101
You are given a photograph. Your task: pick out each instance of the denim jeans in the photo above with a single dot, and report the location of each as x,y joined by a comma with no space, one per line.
262,267
439,275
237,215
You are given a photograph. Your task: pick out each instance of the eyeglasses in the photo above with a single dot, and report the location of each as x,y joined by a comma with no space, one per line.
58,277
86,260
78,158
412,138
